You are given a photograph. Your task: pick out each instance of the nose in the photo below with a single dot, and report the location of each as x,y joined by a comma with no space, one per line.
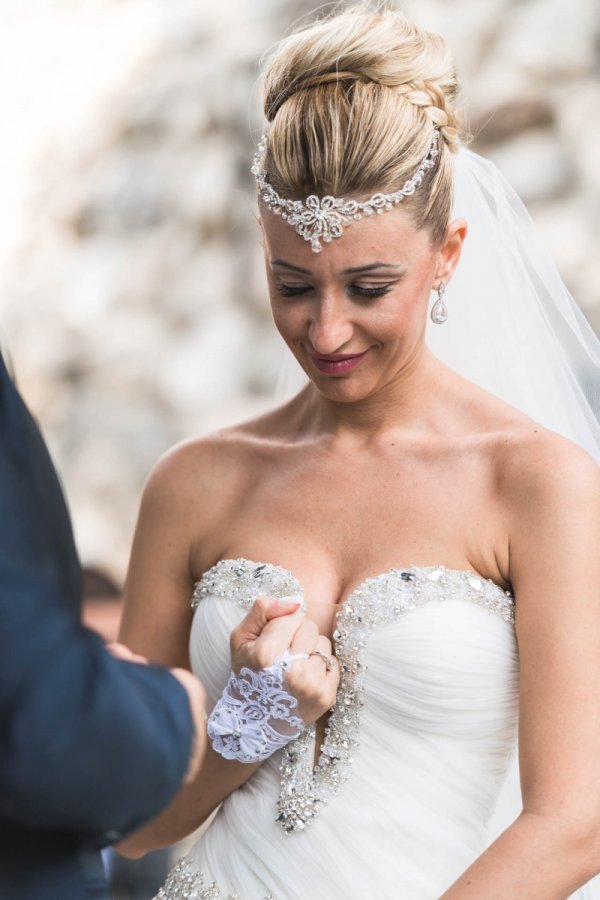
330,328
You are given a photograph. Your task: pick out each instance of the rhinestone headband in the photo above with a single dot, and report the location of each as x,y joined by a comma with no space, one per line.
322,218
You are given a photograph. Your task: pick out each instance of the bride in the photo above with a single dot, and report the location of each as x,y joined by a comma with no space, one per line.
444,542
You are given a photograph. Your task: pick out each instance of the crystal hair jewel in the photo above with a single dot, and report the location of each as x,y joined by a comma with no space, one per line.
322,218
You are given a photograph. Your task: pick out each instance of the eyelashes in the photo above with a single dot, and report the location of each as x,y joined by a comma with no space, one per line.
370,293
286,290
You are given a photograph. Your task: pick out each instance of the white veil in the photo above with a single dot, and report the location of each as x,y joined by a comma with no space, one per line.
514,329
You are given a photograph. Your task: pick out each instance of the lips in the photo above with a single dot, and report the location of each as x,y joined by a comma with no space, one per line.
337,363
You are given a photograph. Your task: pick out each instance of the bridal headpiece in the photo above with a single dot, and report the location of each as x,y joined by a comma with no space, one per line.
319,219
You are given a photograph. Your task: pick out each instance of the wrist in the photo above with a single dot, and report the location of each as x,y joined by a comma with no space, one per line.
256,715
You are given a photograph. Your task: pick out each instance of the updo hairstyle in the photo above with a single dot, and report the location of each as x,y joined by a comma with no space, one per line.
351,102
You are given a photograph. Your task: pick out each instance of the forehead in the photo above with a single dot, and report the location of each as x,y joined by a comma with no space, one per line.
390,237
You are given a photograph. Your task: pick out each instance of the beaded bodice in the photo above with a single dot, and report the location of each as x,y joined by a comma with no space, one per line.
376,602
415,749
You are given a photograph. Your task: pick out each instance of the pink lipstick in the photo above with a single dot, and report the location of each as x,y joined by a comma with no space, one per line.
337,363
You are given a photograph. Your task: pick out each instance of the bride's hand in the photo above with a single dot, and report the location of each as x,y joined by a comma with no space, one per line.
269,629
313,681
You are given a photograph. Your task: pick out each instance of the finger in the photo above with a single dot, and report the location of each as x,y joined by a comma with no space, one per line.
197,701
324,646
263,611
282,607
121,651
305,638
276,637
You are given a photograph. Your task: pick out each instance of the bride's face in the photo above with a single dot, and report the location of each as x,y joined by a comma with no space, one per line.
354,315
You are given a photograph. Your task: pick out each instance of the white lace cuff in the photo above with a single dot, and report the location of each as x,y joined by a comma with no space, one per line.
254,716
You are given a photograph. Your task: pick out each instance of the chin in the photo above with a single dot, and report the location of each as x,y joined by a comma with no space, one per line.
342,390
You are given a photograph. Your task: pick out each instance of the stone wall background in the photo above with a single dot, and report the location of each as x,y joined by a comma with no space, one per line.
133,298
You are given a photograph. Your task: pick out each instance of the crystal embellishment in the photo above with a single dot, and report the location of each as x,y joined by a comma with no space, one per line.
244,581
320,219
439,310
378,601
184,883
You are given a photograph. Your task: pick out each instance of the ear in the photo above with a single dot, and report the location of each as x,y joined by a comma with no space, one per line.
449,252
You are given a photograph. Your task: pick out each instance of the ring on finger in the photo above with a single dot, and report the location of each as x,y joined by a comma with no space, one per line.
328,660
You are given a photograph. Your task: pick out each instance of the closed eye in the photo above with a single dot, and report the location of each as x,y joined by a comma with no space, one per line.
360,290
371,291
290,290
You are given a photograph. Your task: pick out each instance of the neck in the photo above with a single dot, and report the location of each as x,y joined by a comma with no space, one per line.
410,402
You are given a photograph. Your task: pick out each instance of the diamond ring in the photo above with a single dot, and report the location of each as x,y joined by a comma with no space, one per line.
328,660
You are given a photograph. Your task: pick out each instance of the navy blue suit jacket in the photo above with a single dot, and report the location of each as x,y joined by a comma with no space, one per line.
90,746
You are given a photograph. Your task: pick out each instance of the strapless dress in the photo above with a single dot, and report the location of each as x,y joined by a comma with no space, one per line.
416,750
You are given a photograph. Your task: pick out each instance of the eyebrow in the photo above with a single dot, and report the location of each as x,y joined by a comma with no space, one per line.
353,271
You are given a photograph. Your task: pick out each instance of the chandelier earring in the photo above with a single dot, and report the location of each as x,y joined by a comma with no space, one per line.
439,310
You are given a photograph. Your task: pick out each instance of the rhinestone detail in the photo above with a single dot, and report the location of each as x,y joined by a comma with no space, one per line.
322,218
243,581
184,883
439,310
377,601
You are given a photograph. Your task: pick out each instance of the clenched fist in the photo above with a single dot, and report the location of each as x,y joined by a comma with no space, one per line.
270,628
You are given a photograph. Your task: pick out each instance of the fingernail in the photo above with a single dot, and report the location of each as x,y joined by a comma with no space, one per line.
294,598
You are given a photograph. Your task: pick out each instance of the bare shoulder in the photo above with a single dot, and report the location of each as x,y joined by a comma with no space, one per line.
536,467
214,466
549,490
528,461
545,491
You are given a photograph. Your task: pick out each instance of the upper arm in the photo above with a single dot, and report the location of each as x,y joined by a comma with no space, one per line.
555,571
157,613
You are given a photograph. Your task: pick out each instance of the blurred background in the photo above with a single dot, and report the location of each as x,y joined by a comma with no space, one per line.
133,299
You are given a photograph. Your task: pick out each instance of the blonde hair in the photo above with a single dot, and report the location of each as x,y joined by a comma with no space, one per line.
351,101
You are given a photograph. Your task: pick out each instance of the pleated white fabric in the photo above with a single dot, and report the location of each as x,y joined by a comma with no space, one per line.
422,733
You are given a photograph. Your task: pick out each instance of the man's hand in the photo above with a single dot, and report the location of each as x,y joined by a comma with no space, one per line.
121,651
197,701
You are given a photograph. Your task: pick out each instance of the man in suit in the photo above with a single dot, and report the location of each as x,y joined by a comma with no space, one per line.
92,743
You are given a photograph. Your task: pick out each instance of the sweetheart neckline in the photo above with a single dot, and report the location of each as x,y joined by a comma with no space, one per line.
339,607
306,782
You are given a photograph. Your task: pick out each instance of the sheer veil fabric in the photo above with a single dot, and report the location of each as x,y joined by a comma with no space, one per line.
513,329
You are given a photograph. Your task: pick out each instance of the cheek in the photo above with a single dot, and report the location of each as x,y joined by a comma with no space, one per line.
402,314
289,320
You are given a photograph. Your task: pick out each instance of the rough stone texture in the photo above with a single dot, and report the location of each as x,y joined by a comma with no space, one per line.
134,298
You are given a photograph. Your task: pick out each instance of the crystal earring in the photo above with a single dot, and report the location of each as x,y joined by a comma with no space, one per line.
439,310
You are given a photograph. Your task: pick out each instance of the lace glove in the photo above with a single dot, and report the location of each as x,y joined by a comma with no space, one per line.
254,716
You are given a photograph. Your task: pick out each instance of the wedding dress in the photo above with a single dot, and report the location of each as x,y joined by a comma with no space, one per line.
417,747
418,773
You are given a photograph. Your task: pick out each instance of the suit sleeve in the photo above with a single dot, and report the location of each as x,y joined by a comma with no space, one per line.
88,743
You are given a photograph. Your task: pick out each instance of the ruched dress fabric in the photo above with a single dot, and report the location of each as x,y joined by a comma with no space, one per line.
417,748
